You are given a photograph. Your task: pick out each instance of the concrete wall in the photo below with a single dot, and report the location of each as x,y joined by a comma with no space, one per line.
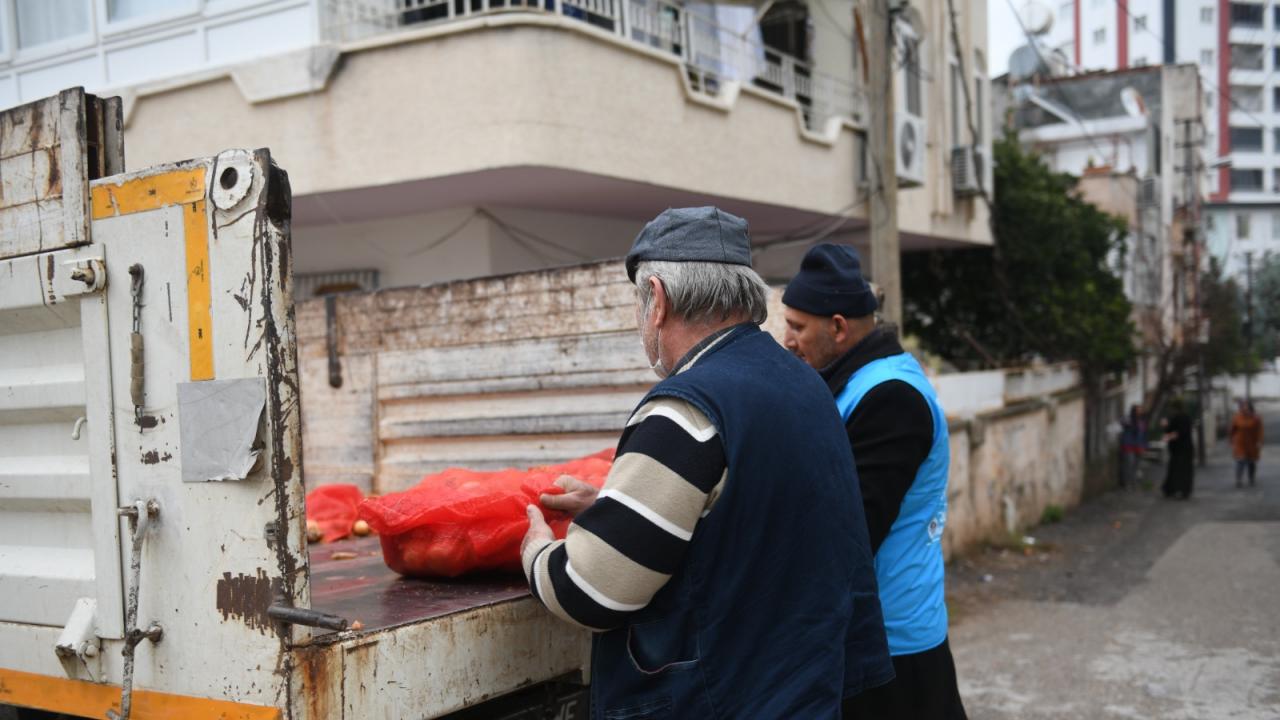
1008,465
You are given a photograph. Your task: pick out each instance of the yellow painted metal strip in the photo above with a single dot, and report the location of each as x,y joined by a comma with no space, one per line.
151,192
90,700
199,316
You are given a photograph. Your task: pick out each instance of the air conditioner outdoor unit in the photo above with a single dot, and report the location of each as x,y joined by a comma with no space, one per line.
1149,192
966,171
909,128
909,136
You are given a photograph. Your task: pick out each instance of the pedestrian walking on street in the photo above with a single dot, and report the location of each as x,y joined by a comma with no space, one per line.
725,566
1246,442
1133,447
898,433
1180,475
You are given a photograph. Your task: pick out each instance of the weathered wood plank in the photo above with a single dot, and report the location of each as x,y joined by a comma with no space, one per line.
518,425
638,379
405,462
43,174
587,353
588,287
338,423
498,405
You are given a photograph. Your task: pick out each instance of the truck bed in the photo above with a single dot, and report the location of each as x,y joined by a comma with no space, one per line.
426,647
364,589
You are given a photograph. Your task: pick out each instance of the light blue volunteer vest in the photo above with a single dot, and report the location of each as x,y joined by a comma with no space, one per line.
909,567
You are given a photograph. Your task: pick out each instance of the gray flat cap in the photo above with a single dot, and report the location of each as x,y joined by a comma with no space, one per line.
703,234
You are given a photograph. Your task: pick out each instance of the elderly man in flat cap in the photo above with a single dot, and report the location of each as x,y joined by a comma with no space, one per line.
898,433
725,566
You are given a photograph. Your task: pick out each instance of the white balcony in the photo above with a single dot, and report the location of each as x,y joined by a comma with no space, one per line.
716,57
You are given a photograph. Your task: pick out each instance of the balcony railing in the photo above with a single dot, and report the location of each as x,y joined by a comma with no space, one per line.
713,55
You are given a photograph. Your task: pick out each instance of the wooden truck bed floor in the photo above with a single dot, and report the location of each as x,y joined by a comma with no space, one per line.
364,589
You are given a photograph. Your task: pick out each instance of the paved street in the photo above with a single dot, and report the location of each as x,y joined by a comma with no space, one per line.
1132,607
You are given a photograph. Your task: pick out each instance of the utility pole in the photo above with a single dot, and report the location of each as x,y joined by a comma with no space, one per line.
882,158
1248,326
1191,219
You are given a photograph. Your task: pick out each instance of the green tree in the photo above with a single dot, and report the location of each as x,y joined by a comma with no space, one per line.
1227,351
1266,306
1043,290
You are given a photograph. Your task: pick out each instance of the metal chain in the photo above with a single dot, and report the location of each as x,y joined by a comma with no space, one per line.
135,344
135,271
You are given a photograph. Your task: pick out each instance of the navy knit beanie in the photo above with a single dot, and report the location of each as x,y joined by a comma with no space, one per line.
830,283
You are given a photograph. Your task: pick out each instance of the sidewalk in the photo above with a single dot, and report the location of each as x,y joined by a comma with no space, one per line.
1132,607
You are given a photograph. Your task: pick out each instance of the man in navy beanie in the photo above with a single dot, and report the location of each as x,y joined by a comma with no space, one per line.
900,446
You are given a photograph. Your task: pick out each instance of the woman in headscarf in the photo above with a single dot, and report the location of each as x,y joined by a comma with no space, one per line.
1181,472
1246,442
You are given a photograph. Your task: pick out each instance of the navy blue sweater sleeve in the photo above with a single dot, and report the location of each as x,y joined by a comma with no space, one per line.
891,431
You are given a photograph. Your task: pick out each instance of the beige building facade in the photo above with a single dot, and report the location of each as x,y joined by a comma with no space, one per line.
443,139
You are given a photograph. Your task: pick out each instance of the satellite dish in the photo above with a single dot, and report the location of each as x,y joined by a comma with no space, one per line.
1025,63
1131,99
1036,17
908,144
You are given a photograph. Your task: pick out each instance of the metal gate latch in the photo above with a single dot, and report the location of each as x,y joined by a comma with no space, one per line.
139,514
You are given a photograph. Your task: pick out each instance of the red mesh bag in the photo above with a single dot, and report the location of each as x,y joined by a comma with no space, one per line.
460,521
333,508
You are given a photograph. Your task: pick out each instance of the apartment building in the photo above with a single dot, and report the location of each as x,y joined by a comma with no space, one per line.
431,140
1125,133
1236,45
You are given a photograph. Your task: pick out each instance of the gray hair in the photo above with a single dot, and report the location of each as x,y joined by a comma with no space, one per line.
704,292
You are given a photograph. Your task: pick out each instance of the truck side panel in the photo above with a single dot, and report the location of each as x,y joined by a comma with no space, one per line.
199,268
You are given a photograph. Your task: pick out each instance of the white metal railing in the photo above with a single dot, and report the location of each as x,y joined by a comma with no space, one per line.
713,54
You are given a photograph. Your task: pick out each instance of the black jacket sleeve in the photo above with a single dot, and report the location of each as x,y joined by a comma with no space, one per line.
891,431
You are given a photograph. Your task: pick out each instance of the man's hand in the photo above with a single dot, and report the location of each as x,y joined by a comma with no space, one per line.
539,532
578,496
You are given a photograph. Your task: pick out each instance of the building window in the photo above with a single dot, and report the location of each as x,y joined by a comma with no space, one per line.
1206,58
911,70
1099,36
1275,17
1247,97
1206,15
1275,56
1246,15
118,10
1246,57
1275,216
957,105
41,22
1242,225
1246,181
1275,140
1208,221
1140,22
1246,138
1140,61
